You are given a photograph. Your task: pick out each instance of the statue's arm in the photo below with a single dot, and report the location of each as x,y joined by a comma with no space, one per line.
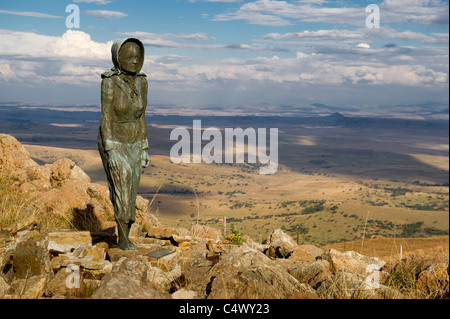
142,121
143,127
107,114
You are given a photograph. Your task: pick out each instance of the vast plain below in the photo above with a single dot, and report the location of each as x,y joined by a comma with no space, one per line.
340,179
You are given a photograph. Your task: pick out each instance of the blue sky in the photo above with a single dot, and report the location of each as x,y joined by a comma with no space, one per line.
234,55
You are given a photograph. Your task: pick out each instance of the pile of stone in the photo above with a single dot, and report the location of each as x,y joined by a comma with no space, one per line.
35,263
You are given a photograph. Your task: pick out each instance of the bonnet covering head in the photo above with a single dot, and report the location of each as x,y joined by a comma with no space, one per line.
115,50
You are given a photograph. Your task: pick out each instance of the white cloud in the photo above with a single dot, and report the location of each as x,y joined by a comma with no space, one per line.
311,69
72,44
159,36
72,58
282,13
31,14
363,45
106,14
101,2
184,41
76,60
361,35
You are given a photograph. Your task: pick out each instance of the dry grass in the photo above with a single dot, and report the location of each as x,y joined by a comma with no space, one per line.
388,249
16,206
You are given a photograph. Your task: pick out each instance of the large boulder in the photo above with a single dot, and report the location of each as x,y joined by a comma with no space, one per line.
31,257
352,261
30,288
206,232
14,158
67,241
68,284
5,288
135,268
306,253
195,268
434,281
311,273
69,186
348,285
246,273
165,279
121,286
281,245
32,266
155,229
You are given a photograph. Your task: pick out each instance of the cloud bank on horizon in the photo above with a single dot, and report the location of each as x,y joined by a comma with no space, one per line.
233,53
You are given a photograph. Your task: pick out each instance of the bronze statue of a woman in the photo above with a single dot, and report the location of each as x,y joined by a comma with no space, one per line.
122,140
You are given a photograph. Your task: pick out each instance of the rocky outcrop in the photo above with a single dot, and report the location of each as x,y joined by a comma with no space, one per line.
200,268
281,245
246,273
13,157
62,187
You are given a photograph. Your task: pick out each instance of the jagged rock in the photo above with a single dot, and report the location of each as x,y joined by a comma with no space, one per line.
21,225
142,204
58,285
311,273
93,253
342,285
365,259
306,253
281,244
64,284
246,273
215,248
260,247
66,241
30,288
194,266
205,232
351,261
70,186
164,279
39,177
65,169
91,258
120,286
135,268
14,158
5,288
434,281
162,232
348,285
96,267
100,202
31,257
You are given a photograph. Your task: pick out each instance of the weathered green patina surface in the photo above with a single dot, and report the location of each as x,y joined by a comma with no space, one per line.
122,139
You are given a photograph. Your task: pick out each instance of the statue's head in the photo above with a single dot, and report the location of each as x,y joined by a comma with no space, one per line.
128,55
